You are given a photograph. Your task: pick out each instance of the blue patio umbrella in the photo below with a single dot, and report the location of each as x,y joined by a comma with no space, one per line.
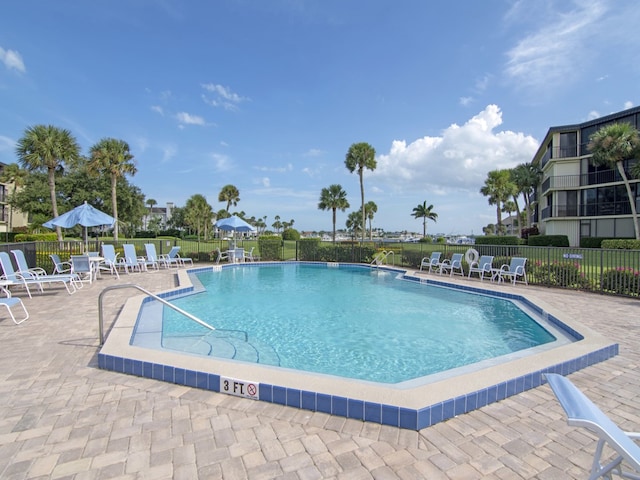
84,215
235,224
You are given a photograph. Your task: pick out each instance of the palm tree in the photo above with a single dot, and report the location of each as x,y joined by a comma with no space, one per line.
229,194
199,214
45,147
333,198
151,203
526,177
499,188
360,156
611,146
112,157
354,223
426,213
370,209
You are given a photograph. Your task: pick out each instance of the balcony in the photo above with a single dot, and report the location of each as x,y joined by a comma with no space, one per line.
590,210
569,182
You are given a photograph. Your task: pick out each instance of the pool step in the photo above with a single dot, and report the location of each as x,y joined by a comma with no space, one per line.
223,345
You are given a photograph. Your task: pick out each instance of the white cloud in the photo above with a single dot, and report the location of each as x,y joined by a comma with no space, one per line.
157,109
222,162
314,152
464,101
168,152
628,104
592,115
222,97
188,119
555,52
12,60
457,161
266,182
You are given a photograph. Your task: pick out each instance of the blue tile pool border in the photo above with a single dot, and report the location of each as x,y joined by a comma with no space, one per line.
407,418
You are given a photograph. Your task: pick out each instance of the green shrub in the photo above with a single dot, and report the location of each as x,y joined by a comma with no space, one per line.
621,244
270,247
291,234
565,274
425,240
308,249
591,242
548,241
497,240
621,280
36,237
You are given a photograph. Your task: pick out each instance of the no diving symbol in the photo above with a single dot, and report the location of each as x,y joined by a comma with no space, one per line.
251,389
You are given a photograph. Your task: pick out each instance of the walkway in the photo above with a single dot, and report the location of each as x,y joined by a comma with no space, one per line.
61,417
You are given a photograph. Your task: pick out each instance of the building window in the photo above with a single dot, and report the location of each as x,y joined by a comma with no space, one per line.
568,145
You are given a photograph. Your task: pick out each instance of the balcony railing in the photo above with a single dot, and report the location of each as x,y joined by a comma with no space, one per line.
589,210
565,182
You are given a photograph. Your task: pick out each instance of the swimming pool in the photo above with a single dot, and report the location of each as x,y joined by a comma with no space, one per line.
349,321
413,404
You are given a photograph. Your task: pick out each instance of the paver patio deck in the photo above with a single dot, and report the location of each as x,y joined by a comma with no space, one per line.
61,417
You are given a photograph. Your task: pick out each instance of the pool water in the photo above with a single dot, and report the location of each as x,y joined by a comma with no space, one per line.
348,321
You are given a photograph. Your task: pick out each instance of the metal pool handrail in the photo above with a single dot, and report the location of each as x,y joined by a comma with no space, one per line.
155,297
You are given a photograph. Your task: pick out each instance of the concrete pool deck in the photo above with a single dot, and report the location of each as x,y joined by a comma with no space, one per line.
62,417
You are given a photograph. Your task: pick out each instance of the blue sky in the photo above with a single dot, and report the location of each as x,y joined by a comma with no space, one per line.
269,95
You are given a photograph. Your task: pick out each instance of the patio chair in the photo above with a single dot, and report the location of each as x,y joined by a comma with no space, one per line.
433,262
82,268
58,265
582,412
250,257
454,266
152,256
15,278
220,255
174,258
130,262
514,271
110,260
40,274
11,302
482,266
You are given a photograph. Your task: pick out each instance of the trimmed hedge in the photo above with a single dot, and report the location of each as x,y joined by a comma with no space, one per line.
270,247
621,244
621,280
36,237
308,248
548,241
497,240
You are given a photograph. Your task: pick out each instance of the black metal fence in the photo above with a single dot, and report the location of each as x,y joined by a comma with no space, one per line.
615,272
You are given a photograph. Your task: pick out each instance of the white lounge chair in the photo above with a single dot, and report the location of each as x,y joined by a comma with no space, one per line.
482,266
454,265
130,262
582,412
174,258
39,275
10,302
514,271
110,260
433,262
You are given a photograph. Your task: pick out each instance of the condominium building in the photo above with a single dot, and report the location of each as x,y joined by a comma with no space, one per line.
577,198
9,217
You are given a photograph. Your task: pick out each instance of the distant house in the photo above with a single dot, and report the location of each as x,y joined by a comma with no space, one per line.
161,213
577,198
511,225
10,218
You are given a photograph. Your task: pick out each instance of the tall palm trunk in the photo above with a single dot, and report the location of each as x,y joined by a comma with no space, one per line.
364,221
632,202
334,225
114,206
54,202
